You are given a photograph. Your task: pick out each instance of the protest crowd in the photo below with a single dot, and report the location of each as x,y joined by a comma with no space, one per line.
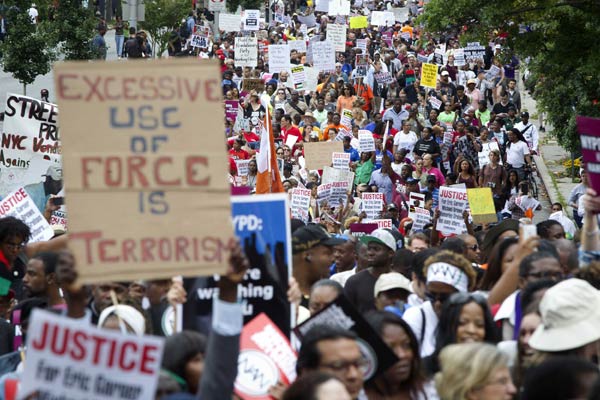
406,262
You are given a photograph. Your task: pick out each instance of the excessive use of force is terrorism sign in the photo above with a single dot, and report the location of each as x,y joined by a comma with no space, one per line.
144,164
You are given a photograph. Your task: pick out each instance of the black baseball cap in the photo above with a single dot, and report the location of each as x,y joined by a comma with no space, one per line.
309,236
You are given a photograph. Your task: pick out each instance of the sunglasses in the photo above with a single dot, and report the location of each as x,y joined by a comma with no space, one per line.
435,297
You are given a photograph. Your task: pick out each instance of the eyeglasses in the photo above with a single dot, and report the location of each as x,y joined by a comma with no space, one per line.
554,275
343,366
14,246
435,297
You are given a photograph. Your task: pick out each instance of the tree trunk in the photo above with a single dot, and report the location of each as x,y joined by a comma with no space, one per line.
24,89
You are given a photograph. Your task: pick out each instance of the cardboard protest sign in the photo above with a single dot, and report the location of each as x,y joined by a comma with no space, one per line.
342,314
279,58
362,66
147,172
429,74
416,199
459,57
323,56
336,34
589,131
438,57
250,19
484,154
481,203
298,45
250,84
266,359
435,102
262,225
246,51
366,140
372,204
217,5
341,160
309,20
30,150
339,8
452,203
318,154
199,41
362,229
312,79
493,72
300,203
70,359
19,204
422,58
359,22
334,193
230,22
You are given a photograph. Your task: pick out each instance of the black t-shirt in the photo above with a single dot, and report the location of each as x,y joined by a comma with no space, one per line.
500,109
426,147
359,291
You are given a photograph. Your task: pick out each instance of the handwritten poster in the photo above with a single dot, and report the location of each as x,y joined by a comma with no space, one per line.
148,171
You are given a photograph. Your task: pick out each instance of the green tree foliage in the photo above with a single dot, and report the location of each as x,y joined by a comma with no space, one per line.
74,28
161,16
558,38
26,50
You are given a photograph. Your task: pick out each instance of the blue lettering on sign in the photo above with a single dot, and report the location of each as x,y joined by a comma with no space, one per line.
145,118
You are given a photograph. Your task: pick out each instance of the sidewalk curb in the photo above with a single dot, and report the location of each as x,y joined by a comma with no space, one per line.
546,179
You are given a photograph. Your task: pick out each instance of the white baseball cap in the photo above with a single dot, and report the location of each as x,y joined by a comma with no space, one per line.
570,317
380,236
391,280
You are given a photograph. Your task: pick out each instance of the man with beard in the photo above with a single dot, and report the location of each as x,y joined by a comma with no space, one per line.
381,247
40,279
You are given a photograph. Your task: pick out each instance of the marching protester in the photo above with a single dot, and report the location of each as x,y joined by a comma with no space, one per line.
405,255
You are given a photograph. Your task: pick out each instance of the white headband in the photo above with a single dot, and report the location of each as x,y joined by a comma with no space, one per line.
448,274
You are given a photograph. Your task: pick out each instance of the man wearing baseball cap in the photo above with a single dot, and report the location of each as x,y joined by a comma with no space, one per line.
391,292
359,289
52,184
312,249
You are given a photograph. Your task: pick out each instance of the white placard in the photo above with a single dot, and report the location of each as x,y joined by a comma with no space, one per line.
484,154
372,204
298,76
250,20
230,22
300,203
366,141
382,18
323,54
336,175
312,78
279,58
242,167
199,41
90,363
346,117
420,217
322,6
341,160
452,203
217,5
336,34
339,7
362,44
435,102
298,45
19,204
246,51
459,57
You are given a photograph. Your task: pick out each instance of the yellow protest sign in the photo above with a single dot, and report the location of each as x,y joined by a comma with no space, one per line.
147,198
482,207
358,22
429,75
